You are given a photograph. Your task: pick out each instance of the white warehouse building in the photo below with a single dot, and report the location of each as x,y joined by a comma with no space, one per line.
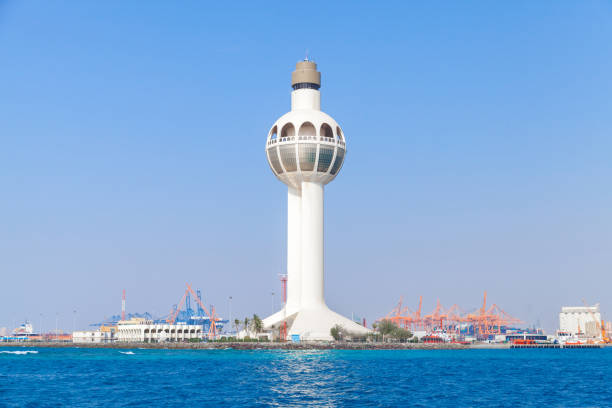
139,330
93,336
580,320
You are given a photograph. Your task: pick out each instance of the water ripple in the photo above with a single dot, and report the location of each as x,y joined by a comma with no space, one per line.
321,378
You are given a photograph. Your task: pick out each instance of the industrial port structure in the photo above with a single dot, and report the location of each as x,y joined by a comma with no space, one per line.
483,324
578,325
202,316
182,323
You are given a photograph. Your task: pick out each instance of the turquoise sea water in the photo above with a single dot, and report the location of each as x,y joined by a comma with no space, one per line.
85,377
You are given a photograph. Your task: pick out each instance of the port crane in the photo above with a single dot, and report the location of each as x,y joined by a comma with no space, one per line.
406,318
213,318
486,321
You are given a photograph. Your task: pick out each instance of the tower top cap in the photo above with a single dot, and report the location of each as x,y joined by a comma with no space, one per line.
306,73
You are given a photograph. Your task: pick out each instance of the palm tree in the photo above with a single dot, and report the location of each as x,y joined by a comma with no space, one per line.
257,324
237,324
246,324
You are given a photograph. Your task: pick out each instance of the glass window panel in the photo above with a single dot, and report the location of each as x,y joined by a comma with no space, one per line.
338,162
326,154
273,160
308,155
287,155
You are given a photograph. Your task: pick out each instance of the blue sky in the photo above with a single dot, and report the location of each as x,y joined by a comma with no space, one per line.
479,139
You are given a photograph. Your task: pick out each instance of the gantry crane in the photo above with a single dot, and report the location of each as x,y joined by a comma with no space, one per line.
212,332
485,321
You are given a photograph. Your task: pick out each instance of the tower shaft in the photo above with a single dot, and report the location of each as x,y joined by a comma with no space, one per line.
312,245
305,99
294,250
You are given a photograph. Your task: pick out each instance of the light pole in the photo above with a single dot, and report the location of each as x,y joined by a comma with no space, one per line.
272,293
229,301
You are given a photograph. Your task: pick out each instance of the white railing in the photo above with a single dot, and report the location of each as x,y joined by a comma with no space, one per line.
307,138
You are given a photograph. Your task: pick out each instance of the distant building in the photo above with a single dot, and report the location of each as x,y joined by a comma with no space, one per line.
94,336
24,332
580,320
144,331
25,329
105,334
521,336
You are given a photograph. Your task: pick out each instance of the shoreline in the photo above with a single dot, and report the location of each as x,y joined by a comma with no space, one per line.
248,346
262,346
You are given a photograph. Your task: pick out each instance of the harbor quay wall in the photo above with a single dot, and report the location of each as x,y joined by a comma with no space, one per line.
248,346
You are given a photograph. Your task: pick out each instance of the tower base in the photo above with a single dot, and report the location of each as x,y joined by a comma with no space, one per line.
313,324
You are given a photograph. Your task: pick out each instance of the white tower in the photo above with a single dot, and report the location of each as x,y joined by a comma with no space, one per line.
305,150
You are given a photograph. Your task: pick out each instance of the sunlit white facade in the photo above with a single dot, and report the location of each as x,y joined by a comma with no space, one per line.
584,320
92,336
139,330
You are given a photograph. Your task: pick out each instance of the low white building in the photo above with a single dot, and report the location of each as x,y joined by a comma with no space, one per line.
580,319
243,334
141,330
95,336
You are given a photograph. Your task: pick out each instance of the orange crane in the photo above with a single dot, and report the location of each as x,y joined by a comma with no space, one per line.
453,318
212,332
403,316
417,315
212,329
482,318
479,321
395,315
434,318
499,318
174,313
486,321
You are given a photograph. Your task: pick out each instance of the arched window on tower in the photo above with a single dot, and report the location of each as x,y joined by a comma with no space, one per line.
273,133
288,130
339,133
307,129
326,131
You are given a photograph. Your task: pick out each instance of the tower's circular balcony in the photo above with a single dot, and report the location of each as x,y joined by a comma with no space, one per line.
293,139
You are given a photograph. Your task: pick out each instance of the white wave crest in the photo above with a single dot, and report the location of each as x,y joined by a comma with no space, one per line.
19,352
127,352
